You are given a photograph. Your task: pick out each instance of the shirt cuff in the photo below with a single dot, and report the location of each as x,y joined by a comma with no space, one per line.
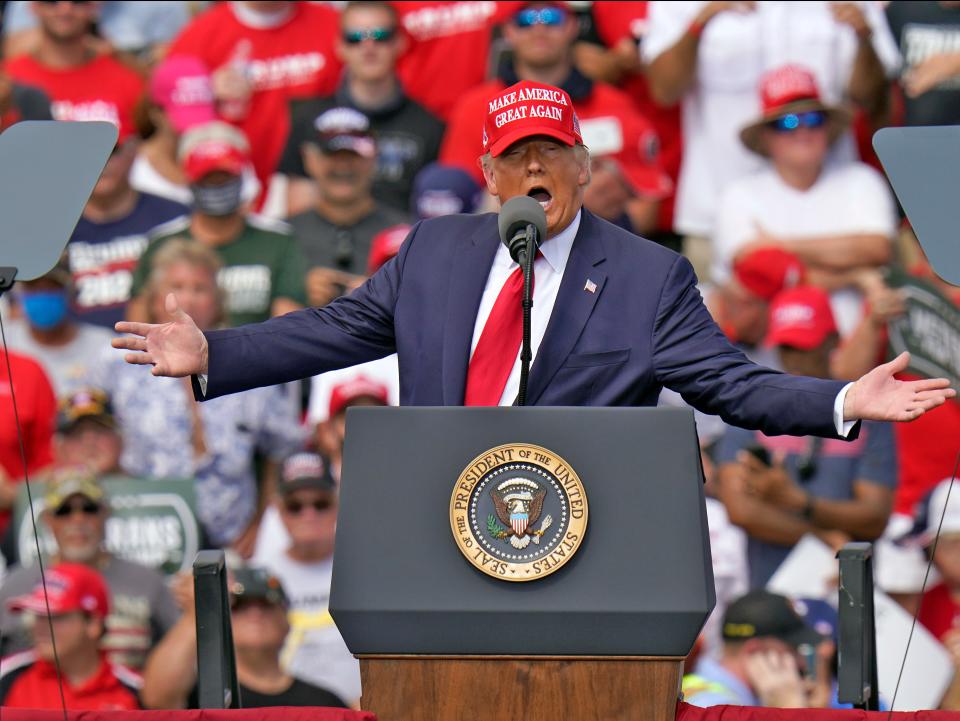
843,427
202,380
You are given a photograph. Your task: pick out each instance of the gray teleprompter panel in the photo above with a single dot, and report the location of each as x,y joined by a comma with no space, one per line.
47,171
640,584
923,165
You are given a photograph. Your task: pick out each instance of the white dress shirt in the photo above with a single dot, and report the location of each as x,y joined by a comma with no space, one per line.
548,271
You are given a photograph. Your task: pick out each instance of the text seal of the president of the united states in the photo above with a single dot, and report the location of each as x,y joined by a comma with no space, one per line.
518,512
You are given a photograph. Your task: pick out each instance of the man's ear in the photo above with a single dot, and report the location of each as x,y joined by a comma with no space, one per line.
489,177
583,176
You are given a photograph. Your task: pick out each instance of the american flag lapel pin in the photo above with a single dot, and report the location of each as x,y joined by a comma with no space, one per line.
590,286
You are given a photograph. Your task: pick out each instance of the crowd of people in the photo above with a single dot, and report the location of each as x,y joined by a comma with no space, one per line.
274,155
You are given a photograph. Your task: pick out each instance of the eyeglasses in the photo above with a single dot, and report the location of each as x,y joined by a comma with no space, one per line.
793,121
295,507
378,35
87,508
549,16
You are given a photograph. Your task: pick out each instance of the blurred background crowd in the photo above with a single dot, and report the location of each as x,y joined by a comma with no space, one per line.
273,155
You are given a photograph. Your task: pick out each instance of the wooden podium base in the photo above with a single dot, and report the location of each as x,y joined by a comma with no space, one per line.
532,688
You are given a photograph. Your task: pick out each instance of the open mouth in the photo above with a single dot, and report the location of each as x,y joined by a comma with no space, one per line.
541,195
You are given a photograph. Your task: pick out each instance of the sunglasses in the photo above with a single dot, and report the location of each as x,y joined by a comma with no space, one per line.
87,508
378,35
242,603
793,121
294,507
549,16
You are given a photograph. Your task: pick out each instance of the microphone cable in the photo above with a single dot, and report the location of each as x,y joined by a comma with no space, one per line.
33,518
923,587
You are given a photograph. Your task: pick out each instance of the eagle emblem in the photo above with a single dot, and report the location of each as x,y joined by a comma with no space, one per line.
518,503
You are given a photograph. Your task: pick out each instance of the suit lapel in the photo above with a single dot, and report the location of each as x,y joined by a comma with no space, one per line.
468,277
572,308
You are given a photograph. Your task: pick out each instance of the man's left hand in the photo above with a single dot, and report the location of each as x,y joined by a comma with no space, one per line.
878,396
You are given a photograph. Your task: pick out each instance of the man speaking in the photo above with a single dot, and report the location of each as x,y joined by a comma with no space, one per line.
614,318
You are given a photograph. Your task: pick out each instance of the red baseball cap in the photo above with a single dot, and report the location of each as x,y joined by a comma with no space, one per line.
386,244
181,85
350,391
526,109
801,318
790,89
213,146
639,159
70,587
767,271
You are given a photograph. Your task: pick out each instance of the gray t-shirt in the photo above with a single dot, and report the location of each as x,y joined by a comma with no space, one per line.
68,366
344,248
141,610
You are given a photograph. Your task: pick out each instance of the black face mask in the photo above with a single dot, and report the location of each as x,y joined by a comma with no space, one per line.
218,200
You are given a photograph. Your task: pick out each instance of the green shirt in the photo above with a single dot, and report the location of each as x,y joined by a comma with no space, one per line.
262,264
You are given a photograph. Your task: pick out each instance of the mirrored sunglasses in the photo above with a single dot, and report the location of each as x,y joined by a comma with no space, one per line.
550,16
794,121
378,35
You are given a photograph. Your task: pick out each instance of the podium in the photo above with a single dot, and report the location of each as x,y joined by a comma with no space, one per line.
542,563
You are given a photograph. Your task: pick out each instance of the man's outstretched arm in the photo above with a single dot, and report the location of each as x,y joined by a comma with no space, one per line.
350,330
692,356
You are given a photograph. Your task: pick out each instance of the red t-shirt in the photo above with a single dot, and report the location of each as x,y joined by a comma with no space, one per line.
37,406
449,49
938,611
614,22
463,141
295,59
926,452
31,683
102,89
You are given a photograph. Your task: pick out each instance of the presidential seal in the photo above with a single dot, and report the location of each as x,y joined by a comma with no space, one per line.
518,512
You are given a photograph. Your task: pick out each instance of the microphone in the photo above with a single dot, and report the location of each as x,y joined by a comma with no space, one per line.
522,224
516,216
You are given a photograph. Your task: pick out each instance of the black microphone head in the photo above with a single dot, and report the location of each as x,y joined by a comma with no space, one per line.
515,215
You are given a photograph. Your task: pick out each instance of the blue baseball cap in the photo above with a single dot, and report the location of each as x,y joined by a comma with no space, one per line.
443,190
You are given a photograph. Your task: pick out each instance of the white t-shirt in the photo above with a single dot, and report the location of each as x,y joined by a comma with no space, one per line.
728,553
848,198
314,650
735,50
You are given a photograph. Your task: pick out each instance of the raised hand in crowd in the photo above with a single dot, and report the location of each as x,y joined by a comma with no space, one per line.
177,348
325,284
848,13
930,73
775,677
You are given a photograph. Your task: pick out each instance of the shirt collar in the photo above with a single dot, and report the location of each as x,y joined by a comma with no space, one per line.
556,250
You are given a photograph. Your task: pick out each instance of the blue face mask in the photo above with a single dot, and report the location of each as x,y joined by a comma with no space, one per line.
45,310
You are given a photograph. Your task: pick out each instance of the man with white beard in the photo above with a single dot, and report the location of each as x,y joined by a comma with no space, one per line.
76,509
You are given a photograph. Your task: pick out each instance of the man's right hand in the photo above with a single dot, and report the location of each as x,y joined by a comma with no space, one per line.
174,349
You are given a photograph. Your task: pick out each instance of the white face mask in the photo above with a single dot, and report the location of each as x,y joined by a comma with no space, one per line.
218,200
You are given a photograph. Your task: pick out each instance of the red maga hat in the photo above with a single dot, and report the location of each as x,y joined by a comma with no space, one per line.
526,109
801,318
360,386
70,587
767,271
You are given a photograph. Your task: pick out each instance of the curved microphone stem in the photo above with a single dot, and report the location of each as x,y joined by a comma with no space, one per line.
526,354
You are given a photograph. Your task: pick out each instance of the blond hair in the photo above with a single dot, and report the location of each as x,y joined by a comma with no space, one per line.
188,252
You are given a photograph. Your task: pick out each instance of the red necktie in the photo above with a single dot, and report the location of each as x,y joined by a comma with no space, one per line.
499,343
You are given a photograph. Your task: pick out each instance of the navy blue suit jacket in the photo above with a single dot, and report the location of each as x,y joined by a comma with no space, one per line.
644,327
